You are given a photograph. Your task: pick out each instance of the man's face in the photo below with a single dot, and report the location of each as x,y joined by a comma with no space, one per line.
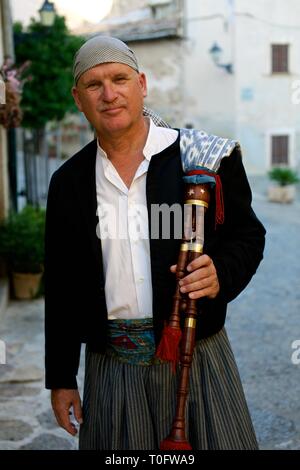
111,97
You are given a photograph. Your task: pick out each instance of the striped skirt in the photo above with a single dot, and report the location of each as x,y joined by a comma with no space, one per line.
131,407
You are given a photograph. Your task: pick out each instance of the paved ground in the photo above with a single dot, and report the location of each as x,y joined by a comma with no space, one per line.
26,421
264,321
262,324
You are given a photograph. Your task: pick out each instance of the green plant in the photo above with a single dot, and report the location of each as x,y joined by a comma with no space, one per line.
283,176
22,240
46,97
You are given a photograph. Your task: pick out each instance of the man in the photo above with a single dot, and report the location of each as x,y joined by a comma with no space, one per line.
109,285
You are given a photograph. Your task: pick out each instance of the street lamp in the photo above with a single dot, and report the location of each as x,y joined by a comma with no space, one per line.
216,54
47,13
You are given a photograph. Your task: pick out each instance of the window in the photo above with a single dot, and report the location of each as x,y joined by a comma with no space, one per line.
280,63
280,150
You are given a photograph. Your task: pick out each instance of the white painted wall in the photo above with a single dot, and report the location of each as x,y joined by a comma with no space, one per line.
271,110
162,63
209,90
251,104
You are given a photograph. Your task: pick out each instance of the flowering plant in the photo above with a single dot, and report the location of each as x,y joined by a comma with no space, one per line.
10,112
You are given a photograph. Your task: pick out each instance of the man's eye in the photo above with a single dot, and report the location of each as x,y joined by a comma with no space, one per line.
120,79
93,86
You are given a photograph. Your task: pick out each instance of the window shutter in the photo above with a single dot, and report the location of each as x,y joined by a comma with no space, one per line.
280,58
280,150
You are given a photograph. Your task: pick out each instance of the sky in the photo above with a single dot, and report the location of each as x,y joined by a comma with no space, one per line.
76,11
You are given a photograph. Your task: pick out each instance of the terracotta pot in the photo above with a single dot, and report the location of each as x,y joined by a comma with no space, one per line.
25,285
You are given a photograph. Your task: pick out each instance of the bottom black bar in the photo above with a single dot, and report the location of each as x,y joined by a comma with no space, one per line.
146,459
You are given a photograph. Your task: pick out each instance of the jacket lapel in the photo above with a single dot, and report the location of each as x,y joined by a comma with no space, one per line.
85,182
164,186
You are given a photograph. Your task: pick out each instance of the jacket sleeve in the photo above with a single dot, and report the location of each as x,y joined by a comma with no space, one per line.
62,346
242,236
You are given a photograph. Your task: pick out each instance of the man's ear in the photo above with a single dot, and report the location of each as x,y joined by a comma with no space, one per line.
143,83
76,97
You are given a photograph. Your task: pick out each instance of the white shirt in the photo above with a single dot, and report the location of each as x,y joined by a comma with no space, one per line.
123,228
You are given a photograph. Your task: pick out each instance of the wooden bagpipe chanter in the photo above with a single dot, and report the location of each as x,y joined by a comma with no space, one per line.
177,345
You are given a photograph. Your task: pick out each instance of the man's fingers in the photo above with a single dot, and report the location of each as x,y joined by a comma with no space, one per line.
63,400
202,280
198,275
199,262
63,419
206,288
197,285
203,261
78,411
65,422
198,294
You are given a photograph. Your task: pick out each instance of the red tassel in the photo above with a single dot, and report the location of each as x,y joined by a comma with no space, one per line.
219,201
168,348
219,193
168,444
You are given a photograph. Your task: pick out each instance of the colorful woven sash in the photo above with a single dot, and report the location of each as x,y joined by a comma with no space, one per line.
132,341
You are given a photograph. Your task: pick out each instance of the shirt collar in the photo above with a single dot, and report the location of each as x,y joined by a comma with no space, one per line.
150,142
157,140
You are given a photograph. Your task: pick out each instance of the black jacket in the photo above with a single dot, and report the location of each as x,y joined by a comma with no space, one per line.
74,282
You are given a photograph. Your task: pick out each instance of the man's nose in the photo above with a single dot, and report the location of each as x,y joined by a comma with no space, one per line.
108,93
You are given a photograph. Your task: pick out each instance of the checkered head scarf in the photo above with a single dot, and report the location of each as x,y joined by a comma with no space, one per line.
100,50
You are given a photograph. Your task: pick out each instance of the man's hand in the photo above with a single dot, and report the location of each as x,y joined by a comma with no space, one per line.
203,280
62,401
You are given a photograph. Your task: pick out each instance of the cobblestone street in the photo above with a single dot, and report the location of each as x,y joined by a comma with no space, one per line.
262,324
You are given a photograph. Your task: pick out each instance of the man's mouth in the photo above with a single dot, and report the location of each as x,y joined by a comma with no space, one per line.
112,111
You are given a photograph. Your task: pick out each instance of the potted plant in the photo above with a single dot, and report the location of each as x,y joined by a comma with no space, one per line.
284,191
22,248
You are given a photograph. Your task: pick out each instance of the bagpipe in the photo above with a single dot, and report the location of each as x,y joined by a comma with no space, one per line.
201,156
